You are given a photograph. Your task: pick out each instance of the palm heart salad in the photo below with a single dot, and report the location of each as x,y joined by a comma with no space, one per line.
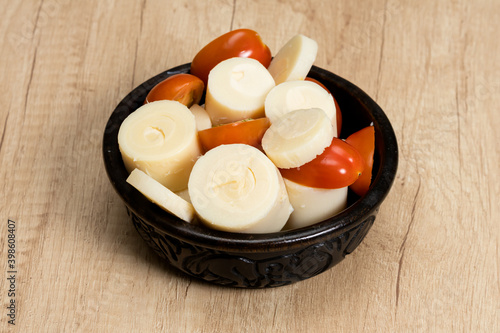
262,154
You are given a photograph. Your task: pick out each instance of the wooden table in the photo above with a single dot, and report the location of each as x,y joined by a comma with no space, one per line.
430,262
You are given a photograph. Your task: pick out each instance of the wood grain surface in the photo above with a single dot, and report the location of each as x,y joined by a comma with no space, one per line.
429,264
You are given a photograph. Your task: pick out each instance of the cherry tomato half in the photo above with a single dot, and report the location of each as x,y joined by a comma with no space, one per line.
237,43
364,142
338,166
184,88
249,132
338,113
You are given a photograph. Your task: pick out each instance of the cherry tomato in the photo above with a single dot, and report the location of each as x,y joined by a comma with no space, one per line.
237,43
317,82
338,113
338,166
249,132
364,141
184,88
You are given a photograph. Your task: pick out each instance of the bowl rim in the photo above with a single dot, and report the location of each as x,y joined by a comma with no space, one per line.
349,218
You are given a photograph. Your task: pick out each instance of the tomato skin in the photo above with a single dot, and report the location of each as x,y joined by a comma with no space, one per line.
338,166
249,132
337,108
317,82
364,141
184,88
237,43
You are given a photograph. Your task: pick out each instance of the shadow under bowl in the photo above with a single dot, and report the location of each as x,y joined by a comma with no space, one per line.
260,260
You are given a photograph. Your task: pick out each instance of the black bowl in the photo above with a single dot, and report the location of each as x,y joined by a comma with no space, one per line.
260,260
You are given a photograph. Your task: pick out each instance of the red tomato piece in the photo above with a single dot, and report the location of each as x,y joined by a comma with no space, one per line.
184,88
237,43
364,141
317,82
338,166
249,132
338,113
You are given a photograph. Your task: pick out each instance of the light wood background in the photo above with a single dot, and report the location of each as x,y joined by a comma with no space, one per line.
430,262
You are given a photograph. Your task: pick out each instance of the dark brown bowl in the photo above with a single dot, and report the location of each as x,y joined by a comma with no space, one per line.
260,260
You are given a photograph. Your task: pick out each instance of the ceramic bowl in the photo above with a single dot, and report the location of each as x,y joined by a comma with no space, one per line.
260,260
